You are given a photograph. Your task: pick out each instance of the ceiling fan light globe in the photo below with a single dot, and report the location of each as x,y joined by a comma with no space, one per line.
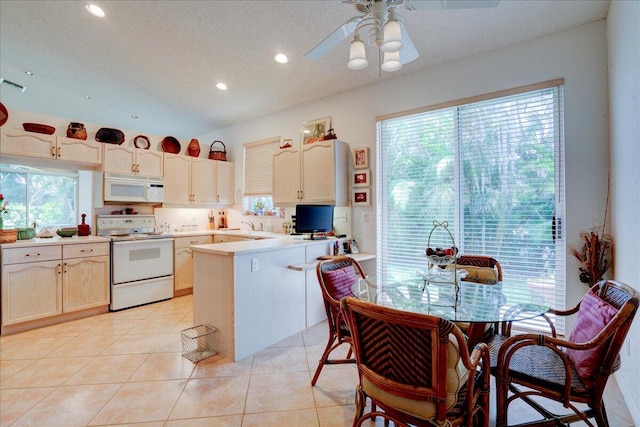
392,41
357,55
391,62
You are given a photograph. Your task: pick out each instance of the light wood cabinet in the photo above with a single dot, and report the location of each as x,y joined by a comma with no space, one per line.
22,143
31,283
85,277
132,161
313,173
40,282
196,181
183,260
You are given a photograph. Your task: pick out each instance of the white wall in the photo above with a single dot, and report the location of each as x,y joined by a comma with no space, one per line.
577,55
623,36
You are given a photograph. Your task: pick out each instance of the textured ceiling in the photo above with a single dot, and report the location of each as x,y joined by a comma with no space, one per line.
161,60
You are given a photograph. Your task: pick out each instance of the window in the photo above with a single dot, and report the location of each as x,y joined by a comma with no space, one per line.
258,176
493,169
38,195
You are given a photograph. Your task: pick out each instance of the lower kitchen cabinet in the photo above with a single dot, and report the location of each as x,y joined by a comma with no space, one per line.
85,281
46,282
183,260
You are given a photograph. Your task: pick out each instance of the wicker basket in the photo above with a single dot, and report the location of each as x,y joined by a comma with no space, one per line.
8,236
217,154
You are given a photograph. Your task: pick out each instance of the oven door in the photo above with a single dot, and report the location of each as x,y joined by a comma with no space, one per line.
141,259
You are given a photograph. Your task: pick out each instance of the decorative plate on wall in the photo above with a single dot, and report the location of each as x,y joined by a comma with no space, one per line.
141,141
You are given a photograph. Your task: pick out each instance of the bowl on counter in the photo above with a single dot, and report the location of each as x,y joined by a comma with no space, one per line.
67,231
26,233
8,236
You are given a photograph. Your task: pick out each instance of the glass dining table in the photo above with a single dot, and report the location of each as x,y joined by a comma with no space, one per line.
474,303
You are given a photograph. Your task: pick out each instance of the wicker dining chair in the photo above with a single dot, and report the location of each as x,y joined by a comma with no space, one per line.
568,371
416,368
337,277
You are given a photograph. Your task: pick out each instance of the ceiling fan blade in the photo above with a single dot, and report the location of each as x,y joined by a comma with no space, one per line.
449,4
408,52
333,39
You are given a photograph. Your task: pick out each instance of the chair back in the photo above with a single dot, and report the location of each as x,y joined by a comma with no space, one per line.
407,354
336,277
481,262
625,299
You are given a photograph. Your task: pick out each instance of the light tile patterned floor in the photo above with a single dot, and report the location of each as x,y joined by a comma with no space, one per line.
127,368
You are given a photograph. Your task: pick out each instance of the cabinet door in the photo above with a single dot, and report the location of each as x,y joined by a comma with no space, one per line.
286,177
23,143
184,269
79,150
177,177
318,173
224,183
203,181
31,291
119,159
85,283
149,163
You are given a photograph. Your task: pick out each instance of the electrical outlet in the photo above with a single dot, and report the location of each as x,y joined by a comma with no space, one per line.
365,216
254,264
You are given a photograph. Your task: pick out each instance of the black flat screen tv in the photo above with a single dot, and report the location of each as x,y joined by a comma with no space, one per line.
312,219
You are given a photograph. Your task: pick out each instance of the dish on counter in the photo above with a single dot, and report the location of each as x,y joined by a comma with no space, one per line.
171,145
38,128
67,231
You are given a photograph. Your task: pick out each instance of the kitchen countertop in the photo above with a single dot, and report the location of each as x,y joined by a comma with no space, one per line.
56,240
265,242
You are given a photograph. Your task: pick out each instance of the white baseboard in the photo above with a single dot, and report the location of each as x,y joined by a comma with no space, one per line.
632,405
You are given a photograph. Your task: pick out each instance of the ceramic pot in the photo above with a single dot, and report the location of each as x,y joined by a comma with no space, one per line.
76,130
193,148
84,229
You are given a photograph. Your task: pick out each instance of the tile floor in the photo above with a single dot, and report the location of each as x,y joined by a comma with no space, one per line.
126,368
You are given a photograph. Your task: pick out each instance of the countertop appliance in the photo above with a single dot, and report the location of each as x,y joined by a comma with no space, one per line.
141,260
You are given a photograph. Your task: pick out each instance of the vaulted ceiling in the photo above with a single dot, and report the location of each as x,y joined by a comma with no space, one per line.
160,60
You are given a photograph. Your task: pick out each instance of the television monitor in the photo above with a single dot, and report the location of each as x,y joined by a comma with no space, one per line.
312,219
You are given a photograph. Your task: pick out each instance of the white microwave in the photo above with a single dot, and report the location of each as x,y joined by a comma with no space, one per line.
129,189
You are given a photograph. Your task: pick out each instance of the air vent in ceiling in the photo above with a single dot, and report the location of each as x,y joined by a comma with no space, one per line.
13,85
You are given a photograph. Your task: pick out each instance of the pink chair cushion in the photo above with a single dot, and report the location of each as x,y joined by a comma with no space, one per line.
339,282
593,316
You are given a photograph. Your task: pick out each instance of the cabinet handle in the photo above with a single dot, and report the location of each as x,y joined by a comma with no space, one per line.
133,167
85,250
59,152
38,254
53,151
192,242
59,268
65,268
137,168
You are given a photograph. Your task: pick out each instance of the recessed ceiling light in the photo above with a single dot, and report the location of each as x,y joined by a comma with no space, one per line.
29,73
221,86
95,10
281,58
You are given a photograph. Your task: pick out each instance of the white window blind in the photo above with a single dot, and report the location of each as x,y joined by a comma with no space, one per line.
494,170
258,166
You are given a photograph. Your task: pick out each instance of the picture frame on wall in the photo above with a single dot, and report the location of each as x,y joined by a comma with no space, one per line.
361,158
361,178
361,197
315,130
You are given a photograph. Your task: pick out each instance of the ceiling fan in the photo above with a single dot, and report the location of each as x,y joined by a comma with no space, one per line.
379,25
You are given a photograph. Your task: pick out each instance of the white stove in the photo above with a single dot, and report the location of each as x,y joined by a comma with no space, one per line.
141,260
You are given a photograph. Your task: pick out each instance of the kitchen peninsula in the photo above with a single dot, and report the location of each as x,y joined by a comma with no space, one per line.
255,293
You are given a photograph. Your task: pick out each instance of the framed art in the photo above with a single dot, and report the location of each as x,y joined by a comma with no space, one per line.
361,158
314,130
361,197
361,178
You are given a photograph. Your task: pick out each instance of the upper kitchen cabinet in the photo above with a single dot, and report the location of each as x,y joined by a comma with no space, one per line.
132,161
22,143
312,173
194,181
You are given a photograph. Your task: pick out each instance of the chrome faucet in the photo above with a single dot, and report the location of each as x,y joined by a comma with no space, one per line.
252,225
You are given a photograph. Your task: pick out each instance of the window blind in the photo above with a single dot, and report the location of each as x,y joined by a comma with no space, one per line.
493,169
258,166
